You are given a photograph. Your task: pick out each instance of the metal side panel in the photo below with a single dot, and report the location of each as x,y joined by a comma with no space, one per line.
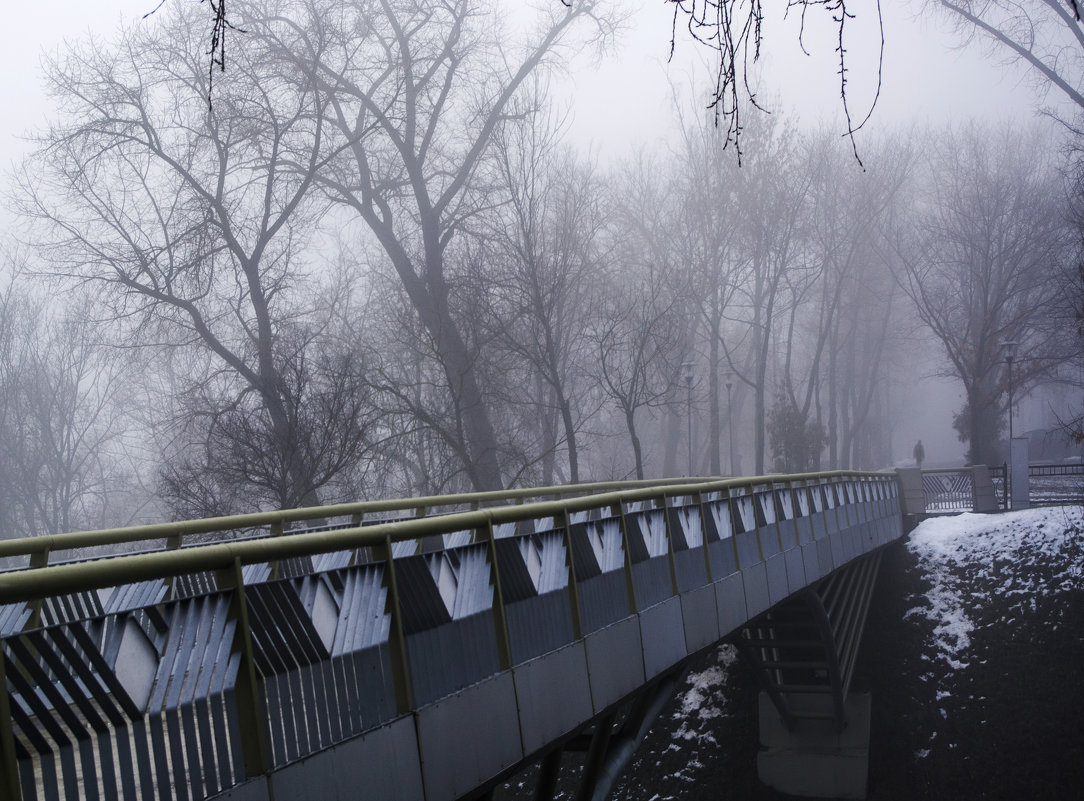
467,738
812,563
851,544
896,526
691,569
730,603
615,662
449,657
652,581
869,536
769,539
701,618
723,560
820,528
663,633
796,578
381,764
776,569
604,599
368,684
839,556
805,530
756,589
553,694
748,550
538,625
824,556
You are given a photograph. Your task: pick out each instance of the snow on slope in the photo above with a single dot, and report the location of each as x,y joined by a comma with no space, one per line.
988,571
971,557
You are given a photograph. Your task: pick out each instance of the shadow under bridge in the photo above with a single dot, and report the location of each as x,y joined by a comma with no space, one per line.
425,657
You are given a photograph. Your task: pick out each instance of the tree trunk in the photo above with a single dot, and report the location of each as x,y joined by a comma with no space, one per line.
570,438
637,452
714,432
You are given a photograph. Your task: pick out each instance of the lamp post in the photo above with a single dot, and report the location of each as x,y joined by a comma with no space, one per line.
1008,348
687,375
729,427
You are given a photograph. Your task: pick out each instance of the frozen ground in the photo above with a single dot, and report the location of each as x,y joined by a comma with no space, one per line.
974,653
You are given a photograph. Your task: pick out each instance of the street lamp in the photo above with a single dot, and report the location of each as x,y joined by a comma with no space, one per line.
729,427
1008,349
687,375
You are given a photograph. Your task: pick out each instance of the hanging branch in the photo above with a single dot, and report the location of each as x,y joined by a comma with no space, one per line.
732,28
220,24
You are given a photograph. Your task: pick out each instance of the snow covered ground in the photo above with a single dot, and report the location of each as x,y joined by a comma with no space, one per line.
970,558
990,572
972,652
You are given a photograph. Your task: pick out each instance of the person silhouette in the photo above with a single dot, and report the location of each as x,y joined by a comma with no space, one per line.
919,453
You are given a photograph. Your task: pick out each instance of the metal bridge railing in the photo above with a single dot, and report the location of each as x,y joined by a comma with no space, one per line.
948,489
1055,484
182,671
81,545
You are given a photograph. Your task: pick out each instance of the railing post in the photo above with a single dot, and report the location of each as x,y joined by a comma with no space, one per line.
788,487
704,535
400,667
276,531
573,590
9,786
630,585
251,716
39,559
500,620
669,544
1005,485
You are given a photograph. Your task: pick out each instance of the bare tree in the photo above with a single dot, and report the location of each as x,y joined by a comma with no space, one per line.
640,338
1047,35
732,29
414,92
706,241
982,264
774,189
191,222
835,357
545,257
62,421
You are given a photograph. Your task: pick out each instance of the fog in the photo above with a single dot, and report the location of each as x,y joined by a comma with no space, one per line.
600,278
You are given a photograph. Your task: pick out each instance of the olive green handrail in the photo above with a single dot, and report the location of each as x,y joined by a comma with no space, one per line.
43,544
36,583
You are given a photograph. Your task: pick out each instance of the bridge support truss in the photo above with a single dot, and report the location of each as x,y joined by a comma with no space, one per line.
814,733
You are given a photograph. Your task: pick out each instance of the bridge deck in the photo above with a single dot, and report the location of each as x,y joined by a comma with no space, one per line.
417,659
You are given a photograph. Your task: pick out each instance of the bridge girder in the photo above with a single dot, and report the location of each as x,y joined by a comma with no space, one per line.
805,648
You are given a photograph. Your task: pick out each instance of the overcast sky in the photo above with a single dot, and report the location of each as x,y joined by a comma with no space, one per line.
624,100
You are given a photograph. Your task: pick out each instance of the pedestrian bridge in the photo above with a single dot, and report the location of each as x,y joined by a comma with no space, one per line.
419,649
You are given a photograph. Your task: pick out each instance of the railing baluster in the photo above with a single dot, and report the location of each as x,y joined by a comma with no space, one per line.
10,785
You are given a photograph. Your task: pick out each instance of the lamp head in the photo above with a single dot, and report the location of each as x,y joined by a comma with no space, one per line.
1008,350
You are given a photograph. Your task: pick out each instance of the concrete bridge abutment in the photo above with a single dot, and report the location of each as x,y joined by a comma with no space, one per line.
814,757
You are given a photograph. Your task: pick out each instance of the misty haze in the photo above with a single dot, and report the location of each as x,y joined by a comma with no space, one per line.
323,252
